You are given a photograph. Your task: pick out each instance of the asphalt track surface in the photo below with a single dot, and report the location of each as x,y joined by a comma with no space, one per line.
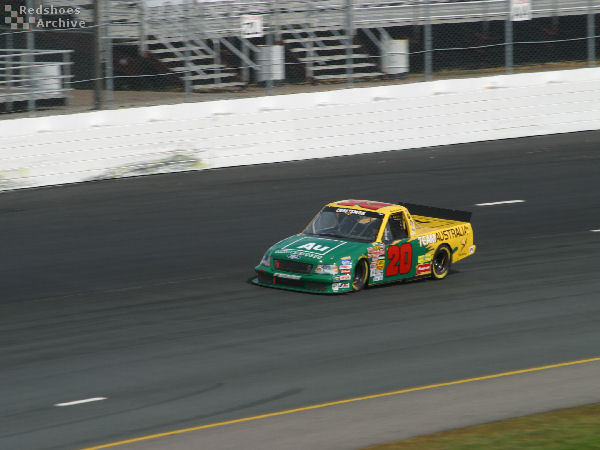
136,290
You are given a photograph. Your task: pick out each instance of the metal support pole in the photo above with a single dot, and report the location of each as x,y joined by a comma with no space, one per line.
591,30
428,45
108,60
30,62
187,81
277,22
349,40
508,40
9,73
310,53
270,37
141,9
98,33
67,76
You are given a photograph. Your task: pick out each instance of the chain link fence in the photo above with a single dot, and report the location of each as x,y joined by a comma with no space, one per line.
77,55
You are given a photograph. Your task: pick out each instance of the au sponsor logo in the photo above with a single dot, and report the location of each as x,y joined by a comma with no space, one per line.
313,247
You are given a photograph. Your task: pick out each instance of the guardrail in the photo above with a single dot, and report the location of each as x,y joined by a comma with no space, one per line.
195,136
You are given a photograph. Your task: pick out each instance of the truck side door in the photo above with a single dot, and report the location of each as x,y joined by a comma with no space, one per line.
399,260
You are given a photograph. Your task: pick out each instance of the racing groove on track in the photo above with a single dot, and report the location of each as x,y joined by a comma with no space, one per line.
135,290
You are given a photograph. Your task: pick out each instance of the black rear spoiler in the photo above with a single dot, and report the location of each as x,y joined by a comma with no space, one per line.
440,213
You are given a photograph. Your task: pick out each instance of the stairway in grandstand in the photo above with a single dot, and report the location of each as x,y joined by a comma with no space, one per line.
175,37
202,69
169,34
323,51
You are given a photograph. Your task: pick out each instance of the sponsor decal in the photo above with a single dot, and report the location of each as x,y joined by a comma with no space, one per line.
344,285
376,251
427,239
351,211
377,264
471,250
294,256
427,257
311,246
335,286
460,230
336,278
310,249
423,268
345,277
287,275
345,268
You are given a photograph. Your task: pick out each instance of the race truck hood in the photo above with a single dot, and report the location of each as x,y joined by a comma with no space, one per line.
306,248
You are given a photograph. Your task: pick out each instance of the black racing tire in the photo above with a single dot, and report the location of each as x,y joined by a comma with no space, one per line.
441,262
361,275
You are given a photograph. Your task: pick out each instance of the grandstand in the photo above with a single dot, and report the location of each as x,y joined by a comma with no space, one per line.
200,42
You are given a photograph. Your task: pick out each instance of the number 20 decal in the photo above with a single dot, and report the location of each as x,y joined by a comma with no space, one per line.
400,258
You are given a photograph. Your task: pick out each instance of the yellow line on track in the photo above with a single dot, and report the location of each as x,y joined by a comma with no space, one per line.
342,402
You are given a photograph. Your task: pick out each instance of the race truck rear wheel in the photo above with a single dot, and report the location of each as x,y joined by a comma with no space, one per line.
361,275
442,260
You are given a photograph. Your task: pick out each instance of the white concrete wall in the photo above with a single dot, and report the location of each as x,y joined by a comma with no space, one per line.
195,136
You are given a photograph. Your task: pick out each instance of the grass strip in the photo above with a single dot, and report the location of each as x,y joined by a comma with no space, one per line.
574,428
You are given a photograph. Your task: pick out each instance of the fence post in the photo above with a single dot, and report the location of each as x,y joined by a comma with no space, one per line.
428,44
30,62
271,31
97,55
187,82
9,72
349,41
141,13
508,39
591,30
66,58
108,62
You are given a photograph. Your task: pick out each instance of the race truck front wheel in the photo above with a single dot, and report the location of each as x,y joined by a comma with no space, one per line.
440,265
361,275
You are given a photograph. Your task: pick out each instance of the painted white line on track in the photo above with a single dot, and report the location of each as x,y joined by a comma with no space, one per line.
595,231
505,202
79,402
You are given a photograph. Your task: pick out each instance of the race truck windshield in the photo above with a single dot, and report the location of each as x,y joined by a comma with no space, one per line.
345,223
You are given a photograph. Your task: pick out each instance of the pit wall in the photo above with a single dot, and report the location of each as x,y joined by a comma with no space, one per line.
196,136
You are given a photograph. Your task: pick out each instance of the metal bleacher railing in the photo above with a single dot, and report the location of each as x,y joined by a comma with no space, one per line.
34,76
199,47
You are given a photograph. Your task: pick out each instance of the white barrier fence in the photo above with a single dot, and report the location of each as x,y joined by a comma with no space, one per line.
194,136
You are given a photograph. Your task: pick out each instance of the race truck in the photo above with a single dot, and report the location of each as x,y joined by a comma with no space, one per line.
352,244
